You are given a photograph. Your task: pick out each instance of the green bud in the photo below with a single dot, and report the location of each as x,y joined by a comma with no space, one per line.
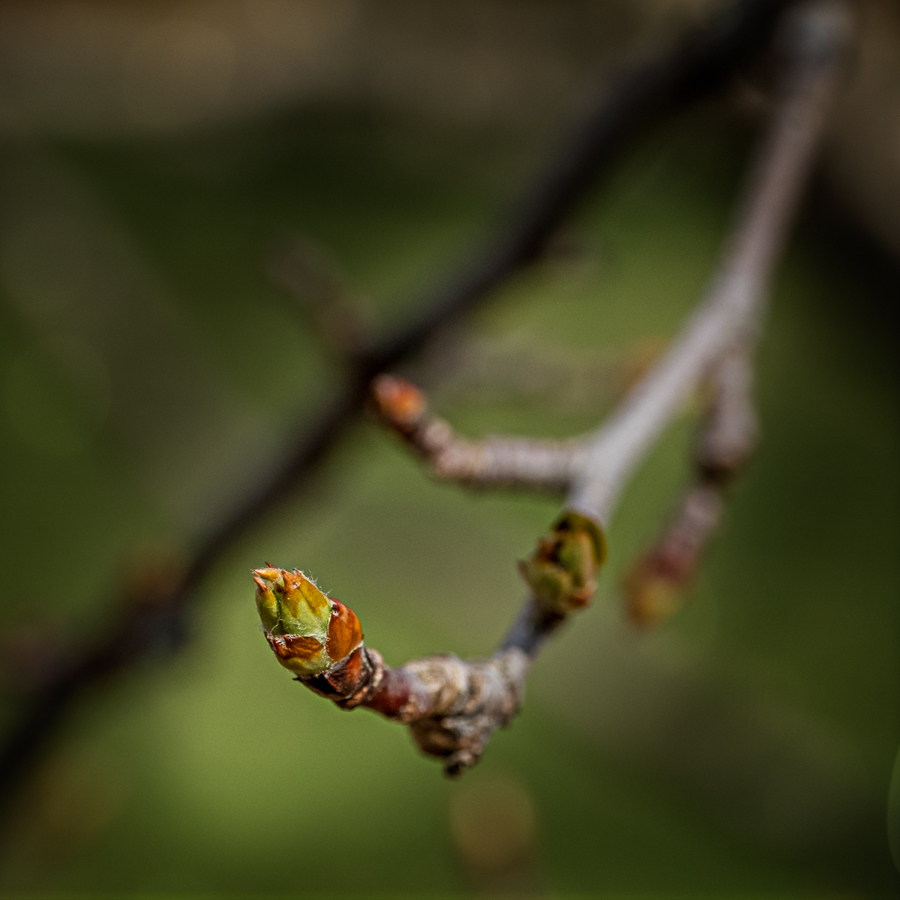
562,572
308,631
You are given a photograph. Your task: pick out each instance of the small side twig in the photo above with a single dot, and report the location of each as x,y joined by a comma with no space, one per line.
656,585
521,368
492,462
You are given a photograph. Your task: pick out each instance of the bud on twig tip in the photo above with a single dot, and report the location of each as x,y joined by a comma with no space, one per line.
307,630
397,400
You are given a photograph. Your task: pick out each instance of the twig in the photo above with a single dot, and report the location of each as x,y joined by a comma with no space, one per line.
492,462
454,706
510,370
656,585
734,302
644,95
729,432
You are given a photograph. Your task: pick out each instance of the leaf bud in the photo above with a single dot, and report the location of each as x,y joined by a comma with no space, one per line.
562,571
308,631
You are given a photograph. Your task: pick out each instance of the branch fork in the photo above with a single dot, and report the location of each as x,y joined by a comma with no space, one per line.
653,90
453,706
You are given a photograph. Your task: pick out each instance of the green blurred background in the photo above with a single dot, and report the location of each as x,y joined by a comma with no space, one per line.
151,373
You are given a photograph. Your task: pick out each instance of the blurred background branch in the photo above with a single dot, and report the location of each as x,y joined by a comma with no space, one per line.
655,586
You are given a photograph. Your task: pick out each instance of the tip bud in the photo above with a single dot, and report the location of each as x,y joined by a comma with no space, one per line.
308,631
656,588
397,400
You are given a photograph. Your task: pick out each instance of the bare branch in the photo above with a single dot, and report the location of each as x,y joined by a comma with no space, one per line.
734,302
656,586
646,94
720,338
493,462
454,706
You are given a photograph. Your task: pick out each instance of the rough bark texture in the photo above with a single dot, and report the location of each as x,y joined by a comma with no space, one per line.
452,706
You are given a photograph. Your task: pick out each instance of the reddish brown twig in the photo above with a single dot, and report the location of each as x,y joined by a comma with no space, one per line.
657,584
452,706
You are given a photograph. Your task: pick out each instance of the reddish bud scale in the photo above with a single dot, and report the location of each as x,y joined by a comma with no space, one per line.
344,632
344,681
310,633
393,693
294,646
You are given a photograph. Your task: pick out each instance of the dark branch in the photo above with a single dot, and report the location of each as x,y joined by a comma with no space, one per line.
641,96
